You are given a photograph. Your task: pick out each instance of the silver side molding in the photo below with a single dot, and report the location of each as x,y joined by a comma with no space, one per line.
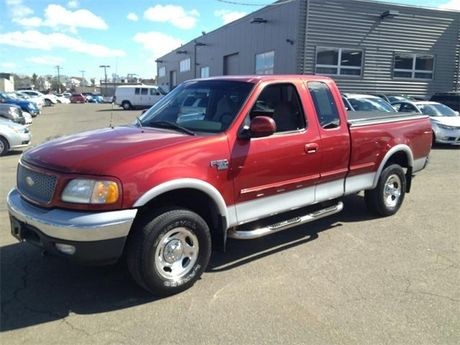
286,224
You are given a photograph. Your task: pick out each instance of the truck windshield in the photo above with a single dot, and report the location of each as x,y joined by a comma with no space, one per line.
202,106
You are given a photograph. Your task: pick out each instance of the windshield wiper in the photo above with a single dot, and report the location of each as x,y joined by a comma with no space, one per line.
171,125
138,121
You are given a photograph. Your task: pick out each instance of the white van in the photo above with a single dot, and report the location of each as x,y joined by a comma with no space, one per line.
137,96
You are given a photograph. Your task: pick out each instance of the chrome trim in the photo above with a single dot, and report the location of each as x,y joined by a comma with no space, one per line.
70,225
376,121
284,225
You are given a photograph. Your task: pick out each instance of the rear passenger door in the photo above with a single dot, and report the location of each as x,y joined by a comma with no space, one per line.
276,173
334,140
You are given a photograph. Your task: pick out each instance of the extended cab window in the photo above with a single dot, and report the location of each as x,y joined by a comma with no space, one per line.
137,91
326,108
144,91
282,103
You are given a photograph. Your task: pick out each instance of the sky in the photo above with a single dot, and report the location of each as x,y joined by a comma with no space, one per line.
81,35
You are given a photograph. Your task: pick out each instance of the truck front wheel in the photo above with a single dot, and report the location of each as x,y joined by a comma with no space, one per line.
126,105
386,199
168,253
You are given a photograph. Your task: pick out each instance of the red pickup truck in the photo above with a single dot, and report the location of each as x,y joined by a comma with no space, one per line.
239,157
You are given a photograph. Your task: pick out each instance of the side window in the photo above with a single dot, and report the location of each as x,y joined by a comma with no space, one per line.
144,91
282,102
326,108
154,92
137,91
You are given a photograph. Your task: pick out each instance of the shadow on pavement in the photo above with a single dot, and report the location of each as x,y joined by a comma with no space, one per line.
36,289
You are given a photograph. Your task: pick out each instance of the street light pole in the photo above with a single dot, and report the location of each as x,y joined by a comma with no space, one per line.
105,74
59,78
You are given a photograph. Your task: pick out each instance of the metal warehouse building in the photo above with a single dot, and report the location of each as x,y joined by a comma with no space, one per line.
364,45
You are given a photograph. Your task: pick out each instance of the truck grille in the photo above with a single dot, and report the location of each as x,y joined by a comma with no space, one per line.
35,185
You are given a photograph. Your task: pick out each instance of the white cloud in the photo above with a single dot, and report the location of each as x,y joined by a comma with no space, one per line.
36,40
176,15
157,43
8,65
133,17
73,4
57,15
229,16
451,5
46,60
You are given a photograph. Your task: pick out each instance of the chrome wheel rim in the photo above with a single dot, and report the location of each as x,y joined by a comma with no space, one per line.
176,253
392,191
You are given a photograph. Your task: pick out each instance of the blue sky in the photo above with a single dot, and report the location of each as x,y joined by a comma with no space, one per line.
81,35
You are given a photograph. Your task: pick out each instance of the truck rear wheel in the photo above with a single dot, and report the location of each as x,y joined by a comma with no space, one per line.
386,199
168,253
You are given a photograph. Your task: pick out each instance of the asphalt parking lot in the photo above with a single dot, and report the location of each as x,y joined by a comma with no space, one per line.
347,279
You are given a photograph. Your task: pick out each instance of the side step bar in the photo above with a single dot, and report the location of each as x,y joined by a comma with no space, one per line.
271,229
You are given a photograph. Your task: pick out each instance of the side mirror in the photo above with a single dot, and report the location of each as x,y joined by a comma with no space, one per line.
261,126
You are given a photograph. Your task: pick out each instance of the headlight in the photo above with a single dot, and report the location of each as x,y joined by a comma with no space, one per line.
446,127
83,191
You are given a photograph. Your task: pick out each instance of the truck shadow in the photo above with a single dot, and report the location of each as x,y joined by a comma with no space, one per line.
37,289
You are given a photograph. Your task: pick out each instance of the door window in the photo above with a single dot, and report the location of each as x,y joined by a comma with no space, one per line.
282,103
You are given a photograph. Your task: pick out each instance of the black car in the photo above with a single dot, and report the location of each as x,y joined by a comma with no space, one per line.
451,99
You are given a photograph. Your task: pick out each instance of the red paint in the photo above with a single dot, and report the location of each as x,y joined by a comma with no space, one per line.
142,158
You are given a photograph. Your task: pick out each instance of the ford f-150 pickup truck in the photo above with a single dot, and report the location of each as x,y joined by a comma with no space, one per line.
229,157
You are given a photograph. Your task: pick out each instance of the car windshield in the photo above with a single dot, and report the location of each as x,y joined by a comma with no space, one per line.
370,104
11,95
436,110
202,106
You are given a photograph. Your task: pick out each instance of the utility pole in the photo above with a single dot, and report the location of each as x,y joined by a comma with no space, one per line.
105,75
83,77
59,77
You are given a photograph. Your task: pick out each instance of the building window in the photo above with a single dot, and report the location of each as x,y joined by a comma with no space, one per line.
413,66
204,72
339,61
162,71
265,63
184,65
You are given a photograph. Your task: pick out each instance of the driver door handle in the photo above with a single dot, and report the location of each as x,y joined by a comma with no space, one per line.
311,148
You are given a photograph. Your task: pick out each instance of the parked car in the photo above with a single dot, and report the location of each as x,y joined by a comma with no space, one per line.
49,99
77,98
137,96
62,99
27,106
96,98
37,100
13,136
445,122
12,112
227,157
395,97
451,99
365,102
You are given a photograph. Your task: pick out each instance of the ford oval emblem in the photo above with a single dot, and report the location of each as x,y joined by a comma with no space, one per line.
30,181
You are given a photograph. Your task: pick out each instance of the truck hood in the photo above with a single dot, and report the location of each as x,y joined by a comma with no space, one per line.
447,120
94,152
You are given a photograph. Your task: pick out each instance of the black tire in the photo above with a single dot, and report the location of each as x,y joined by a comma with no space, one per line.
126,105
4,146
48,102
386,199
167,253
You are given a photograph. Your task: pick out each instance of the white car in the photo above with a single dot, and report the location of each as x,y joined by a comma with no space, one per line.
445,122
48,99
62,99
365,102
39,101
13,136
27,118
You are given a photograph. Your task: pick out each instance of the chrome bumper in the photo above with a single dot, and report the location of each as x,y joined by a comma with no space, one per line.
71,225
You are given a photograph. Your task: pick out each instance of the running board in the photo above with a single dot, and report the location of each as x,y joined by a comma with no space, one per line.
286,224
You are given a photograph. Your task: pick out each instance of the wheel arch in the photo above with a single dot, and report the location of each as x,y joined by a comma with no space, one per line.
400,154
195,195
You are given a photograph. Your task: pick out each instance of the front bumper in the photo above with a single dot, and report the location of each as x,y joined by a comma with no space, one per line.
445,136
96,236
